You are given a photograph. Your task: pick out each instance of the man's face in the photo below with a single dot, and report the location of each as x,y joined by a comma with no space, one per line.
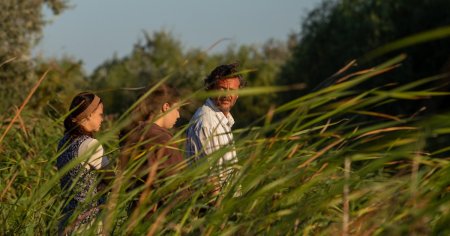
226,102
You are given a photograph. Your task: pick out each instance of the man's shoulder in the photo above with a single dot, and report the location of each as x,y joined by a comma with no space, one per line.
204,116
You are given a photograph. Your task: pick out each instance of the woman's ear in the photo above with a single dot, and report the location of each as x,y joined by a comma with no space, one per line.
165,107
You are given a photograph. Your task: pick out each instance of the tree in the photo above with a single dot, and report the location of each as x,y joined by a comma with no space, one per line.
65,79
160,55
21,27
120,80
264,63
337,32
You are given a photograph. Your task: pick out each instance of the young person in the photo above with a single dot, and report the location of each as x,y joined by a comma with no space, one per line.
78,144
148,136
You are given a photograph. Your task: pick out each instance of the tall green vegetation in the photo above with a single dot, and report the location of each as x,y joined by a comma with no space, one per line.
326,161
318,170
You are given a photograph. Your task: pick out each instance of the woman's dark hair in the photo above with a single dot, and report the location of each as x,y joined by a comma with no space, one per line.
223,72
79,104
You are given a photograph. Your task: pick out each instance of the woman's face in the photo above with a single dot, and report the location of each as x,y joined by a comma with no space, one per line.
94,121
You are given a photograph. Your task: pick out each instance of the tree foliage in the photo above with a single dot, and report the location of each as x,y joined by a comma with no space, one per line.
21,27
337,32
120,80
65,78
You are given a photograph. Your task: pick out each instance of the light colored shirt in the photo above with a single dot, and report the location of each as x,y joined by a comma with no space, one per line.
209,131
95,151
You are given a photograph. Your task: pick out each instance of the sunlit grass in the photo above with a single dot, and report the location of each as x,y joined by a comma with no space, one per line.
291,171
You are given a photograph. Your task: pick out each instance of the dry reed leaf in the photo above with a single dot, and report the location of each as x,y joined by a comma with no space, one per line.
8,186
294,150
22,123
8,61
390,129
320,153
353,74
377,114
367,71
317,172
325,127
25,102
343,69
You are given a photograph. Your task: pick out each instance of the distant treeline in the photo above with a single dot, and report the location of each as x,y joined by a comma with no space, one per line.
333,34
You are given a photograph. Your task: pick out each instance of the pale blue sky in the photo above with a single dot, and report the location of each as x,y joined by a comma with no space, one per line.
95,30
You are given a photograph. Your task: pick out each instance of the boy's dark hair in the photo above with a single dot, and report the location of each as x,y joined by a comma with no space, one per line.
146,110
150,106
223,72
79,104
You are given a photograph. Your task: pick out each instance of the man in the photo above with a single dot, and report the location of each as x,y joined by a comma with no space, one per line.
210,127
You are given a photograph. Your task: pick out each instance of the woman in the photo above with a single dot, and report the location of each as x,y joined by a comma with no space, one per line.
78,144
148,136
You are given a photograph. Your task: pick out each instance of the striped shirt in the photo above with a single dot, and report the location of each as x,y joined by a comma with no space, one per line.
209,131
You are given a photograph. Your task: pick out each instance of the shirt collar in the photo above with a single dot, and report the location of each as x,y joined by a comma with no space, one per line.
229,118
161,129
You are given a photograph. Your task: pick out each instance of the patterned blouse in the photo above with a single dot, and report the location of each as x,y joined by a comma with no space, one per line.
80,180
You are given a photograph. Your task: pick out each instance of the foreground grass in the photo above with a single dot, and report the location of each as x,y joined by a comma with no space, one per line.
325,163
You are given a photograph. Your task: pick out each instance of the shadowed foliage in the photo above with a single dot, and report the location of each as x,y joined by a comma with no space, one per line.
353,154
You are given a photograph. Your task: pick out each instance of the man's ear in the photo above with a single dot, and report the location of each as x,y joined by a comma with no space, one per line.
165,107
